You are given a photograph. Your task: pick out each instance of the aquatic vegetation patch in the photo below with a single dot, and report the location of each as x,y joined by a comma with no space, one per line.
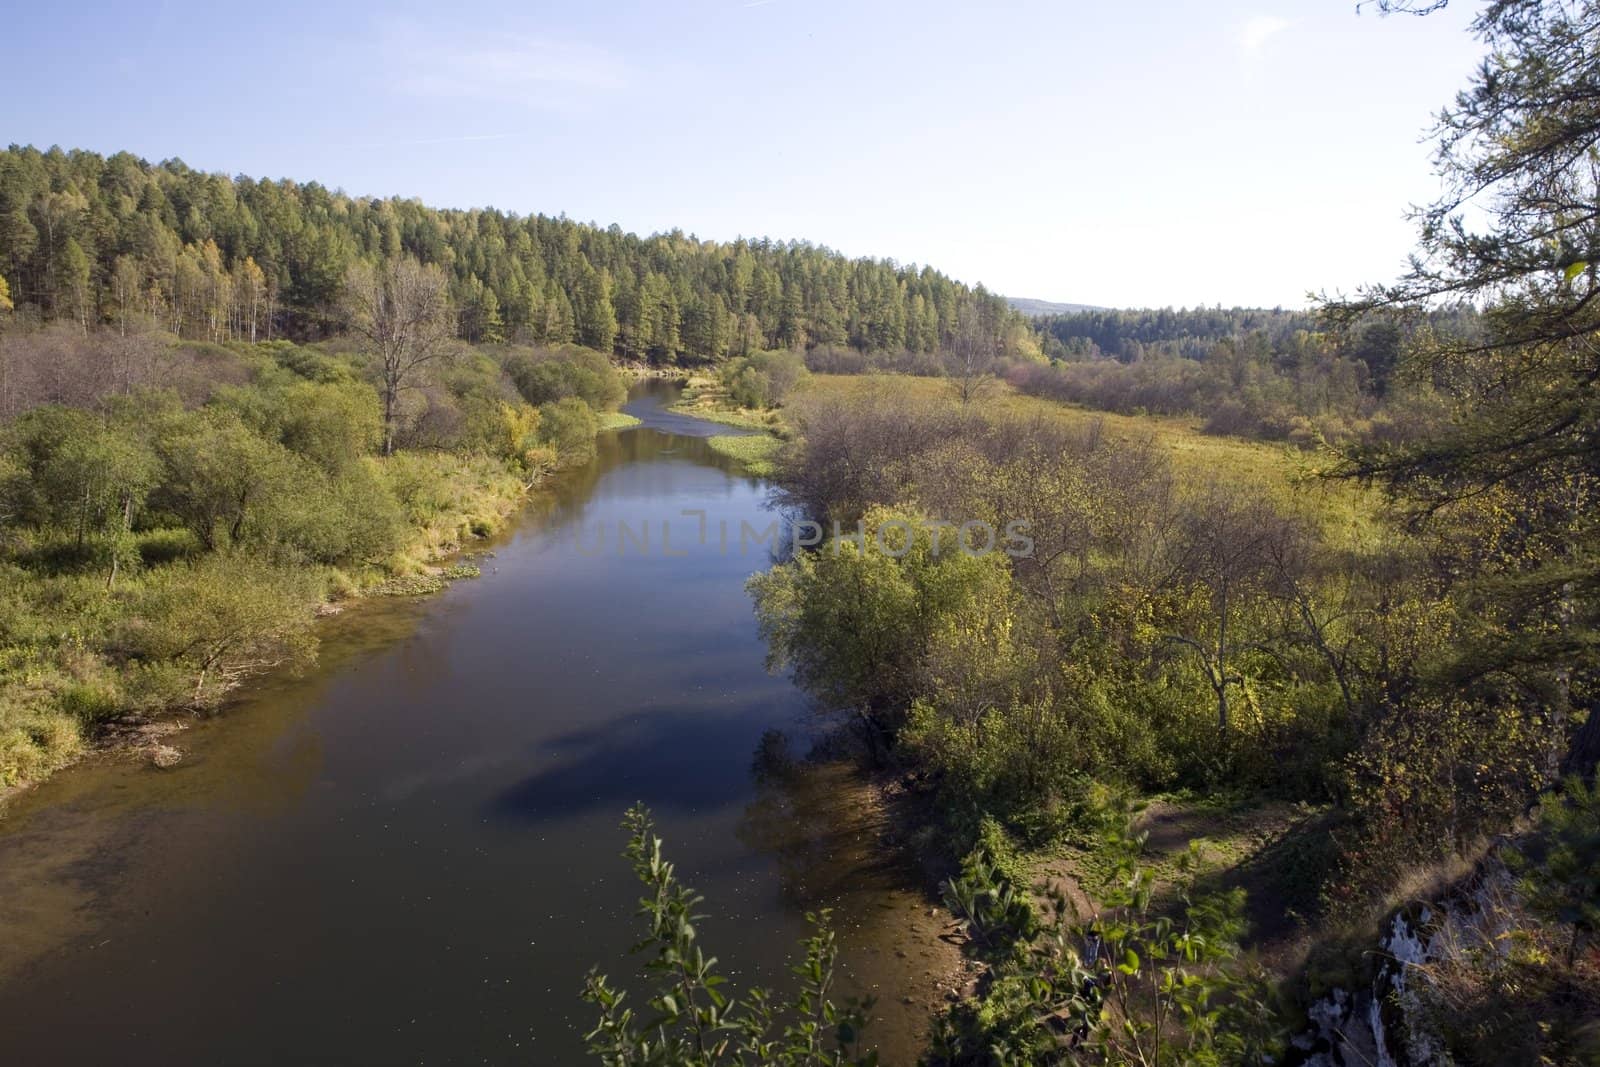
411,585
754,453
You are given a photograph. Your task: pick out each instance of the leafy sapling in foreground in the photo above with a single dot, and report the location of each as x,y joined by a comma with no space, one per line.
996,917
1558,864
1136,984
694,1019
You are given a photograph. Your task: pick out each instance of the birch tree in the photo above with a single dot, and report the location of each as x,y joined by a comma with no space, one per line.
401,309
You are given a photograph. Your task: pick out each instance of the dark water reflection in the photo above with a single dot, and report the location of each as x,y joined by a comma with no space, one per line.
411,854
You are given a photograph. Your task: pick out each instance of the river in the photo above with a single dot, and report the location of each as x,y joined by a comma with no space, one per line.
410,853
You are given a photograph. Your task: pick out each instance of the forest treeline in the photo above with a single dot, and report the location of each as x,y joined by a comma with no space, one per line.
93,239
1272,375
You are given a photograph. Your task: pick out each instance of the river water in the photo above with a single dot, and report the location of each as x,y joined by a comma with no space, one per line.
410,853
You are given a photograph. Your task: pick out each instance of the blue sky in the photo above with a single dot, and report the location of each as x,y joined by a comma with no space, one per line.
1143,154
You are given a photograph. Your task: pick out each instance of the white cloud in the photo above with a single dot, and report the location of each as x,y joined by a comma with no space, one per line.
1256,32
506,68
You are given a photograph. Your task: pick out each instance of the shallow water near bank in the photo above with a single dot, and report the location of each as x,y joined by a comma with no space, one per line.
411,854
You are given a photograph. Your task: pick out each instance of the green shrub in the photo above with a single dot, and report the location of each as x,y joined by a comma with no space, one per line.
546,377
763,379
996,916
859,624
160,547
568,427
90,702
1559,862
34,739
1019,762
306,363
224,617
1132,985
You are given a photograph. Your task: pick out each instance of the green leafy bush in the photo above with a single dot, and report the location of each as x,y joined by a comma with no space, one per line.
568,427
763,379
546,377
1559,863
1133,984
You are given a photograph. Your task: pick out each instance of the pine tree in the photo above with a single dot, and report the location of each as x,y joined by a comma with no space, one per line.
596,318
1520,143
557,324
493,327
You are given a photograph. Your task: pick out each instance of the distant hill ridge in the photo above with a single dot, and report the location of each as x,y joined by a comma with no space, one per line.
1036,308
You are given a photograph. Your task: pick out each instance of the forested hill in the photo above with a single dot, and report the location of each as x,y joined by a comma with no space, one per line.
1128,335
1137,334
91,238
1039,308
